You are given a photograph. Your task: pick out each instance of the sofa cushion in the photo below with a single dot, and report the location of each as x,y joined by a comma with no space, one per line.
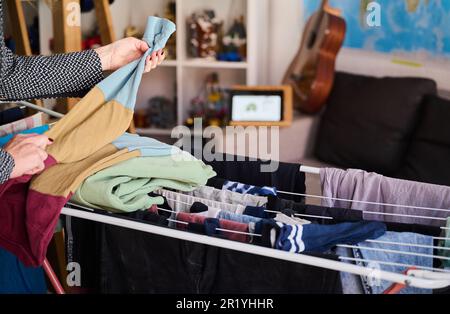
369,121
428,156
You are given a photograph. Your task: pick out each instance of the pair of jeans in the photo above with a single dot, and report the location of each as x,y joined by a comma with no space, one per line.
419,244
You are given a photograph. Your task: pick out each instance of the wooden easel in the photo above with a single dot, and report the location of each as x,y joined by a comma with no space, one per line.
20,32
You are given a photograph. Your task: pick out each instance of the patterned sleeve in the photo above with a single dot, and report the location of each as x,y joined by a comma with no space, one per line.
64,75
6,166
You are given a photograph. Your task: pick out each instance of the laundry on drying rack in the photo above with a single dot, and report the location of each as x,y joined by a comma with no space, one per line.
85,142
296,237
211,226
257,211
315,238
446,243
151,263
267,232
351,284
28,123
419,253
225,196
291,220
285,177
337,214
333,215
183,203
249,189
362,186
125,187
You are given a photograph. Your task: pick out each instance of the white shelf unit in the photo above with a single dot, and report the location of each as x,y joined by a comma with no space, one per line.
184,77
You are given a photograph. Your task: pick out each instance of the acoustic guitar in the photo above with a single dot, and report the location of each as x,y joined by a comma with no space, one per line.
311,73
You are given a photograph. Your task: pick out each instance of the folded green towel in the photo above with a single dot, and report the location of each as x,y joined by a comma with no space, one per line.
125,187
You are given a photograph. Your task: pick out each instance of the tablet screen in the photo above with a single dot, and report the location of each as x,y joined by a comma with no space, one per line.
257,108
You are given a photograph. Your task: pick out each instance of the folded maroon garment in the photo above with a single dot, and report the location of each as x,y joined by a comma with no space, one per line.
28,219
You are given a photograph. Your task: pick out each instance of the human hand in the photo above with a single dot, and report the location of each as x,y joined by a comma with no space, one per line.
124,51
28,152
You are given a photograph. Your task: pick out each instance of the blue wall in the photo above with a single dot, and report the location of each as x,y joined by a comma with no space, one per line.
426,29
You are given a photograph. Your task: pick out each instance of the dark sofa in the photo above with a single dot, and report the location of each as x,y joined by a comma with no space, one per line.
397,127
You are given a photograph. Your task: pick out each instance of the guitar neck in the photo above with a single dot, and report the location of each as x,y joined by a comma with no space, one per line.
321,13
323,5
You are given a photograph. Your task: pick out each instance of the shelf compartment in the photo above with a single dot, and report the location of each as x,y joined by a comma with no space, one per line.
203,63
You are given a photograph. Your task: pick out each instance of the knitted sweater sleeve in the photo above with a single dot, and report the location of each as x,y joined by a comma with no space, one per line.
6,166
33,77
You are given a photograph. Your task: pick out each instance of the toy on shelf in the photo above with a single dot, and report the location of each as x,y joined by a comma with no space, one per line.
210,104
92,42
160,113
171,46
204,35
235,43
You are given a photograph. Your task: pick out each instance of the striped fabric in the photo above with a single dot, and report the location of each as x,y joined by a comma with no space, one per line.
22,125
89,139
314,238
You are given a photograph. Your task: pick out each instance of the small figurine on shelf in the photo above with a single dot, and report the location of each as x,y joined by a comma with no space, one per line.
211,104
235,43
141,118
204,29
162,113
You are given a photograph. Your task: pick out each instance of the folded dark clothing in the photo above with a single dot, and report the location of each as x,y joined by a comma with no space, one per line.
286,177
120,260
156,219
11,115
344,215
216,183
338,214
136,262
258,212
414,228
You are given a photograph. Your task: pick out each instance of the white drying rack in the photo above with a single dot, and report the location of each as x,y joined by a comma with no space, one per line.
416,278
413,278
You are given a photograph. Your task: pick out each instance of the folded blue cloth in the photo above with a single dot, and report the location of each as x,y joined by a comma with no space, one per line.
39,130
148,147
315,238
15,278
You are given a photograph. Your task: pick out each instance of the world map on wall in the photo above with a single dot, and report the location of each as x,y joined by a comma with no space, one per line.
421,27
